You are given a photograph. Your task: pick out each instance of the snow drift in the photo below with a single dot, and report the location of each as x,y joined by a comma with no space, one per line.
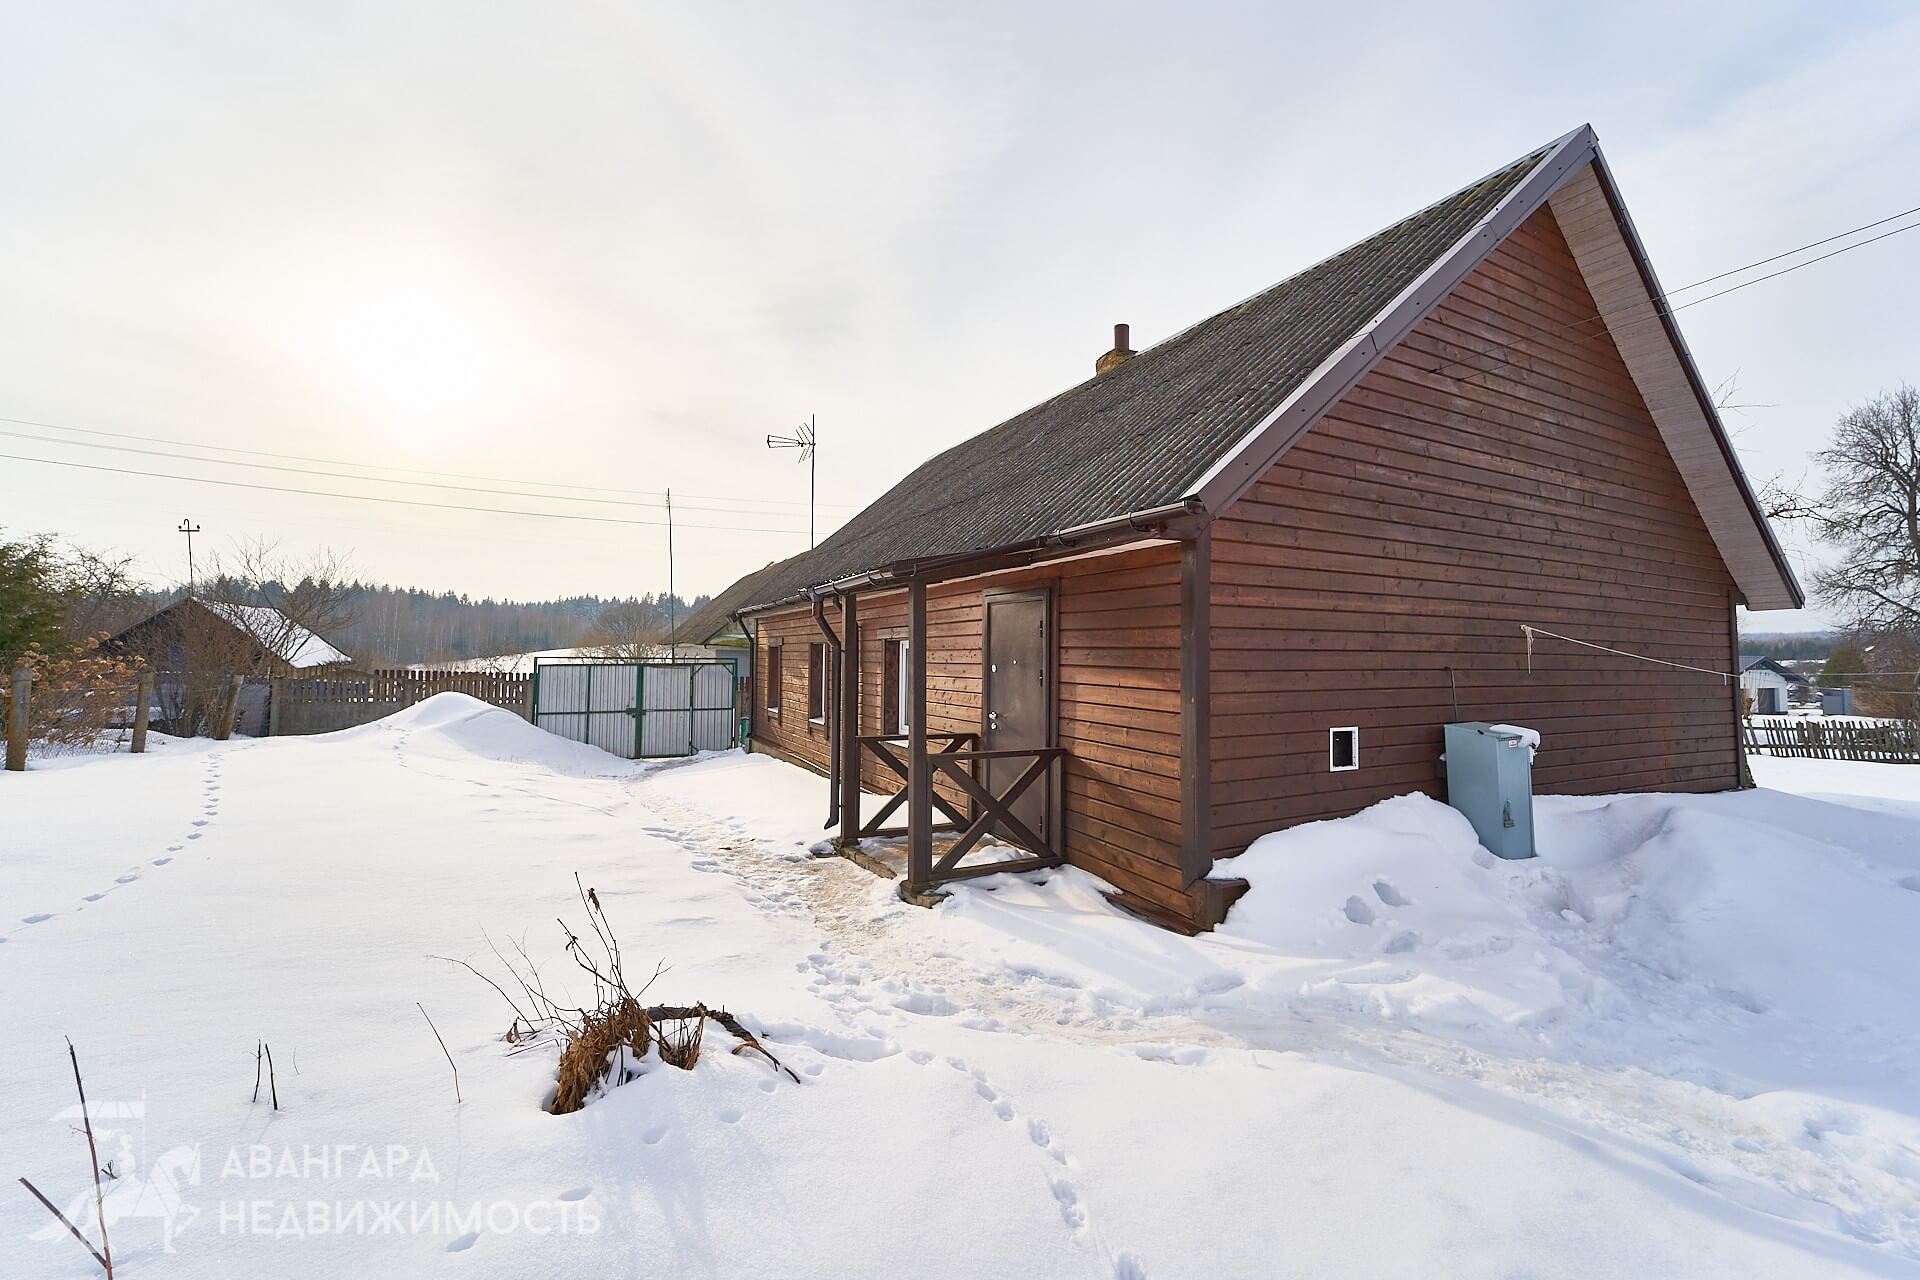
1649,924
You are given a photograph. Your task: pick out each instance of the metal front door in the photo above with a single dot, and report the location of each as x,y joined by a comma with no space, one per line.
1017,697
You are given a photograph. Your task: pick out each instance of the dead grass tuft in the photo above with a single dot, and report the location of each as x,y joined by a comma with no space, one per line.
614,1039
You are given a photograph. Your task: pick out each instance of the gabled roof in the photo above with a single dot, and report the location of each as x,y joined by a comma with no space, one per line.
278,634
1193,422
266,626
1748,661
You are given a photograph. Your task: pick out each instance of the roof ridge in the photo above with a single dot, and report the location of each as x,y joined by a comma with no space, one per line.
1140,435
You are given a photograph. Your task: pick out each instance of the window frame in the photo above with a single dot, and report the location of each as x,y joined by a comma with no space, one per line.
893,675
816,682
773,681
1333,749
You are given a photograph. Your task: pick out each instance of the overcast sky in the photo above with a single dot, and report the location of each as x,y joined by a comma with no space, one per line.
614,245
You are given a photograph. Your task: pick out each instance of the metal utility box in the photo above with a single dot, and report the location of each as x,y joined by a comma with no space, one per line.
1490,780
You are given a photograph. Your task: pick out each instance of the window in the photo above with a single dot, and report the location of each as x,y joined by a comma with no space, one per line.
1343,749
817,683
893,687
772,679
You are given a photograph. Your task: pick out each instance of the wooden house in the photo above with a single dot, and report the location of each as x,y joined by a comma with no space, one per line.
1240,580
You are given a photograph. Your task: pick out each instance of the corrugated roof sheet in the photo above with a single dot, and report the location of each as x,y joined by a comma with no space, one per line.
1143,434
713,617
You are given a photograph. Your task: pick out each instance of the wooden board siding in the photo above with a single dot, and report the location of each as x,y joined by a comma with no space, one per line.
1498,467
1117,681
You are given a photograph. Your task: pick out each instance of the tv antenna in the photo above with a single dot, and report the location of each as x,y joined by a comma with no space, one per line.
807,441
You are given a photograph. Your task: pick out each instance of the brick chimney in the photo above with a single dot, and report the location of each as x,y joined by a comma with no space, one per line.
1119,353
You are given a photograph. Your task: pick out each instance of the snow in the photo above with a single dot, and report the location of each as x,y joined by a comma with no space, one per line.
1529,736
1681,1041
293,643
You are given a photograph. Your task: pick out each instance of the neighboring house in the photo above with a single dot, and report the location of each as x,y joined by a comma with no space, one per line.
1768,685
250,639
193,645
1241,580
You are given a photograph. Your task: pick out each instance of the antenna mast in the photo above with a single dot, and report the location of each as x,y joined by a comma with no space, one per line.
806,439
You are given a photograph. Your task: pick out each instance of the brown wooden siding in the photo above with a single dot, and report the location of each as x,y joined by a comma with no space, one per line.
1117,685
1379,573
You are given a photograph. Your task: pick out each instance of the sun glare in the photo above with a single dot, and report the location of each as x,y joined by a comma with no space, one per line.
412,351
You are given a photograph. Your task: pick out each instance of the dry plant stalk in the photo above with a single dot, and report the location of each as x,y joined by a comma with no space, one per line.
104,1254
607,1044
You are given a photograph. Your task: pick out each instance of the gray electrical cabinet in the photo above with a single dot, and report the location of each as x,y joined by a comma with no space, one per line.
1490,780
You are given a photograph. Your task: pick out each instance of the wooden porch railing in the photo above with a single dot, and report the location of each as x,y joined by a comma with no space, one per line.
992,808
876,745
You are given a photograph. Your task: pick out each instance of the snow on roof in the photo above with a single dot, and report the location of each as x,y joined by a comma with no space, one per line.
289,641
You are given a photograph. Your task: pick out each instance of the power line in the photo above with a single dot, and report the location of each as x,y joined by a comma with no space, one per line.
342,475
370,466
368,497
1501,360
1842,235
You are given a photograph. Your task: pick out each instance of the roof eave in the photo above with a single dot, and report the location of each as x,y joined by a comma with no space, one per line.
1072,539
1694,380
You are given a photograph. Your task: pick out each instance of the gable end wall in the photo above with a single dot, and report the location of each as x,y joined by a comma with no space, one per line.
1382,568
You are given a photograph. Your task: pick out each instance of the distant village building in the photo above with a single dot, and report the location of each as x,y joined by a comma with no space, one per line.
1768,686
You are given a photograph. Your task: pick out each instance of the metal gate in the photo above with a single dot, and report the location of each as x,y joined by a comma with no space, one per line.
638,710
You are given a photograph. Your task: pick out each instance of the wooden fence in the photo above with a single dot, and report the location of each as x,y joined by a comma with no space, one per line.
341,702
1882,742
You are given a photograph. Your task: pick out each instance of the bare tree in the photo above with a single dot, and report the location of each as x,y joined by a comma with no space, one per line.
103,596
630,629
280,599
1870,512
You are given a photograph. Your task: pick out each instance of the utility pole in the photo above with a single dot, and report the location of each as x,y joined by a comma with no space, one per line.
807,440
189,528
673,632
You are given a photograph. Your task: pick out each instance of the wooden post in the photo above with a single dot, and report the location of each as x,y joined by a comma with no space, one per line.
142,707
229,710
849,720
17,720
919,768
276,705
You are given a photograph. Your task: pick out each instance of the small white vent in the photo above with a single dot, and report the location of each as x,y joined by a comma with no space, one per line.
1343,749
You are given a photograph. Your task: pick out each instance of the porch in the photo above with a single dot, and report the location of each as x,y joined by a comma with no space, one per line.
1055,705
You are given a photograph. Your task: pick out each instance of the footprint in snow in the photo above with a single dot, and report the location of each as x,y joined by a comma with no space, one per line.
578,1193
199,822
462,1243
729,1116
194,835
37,917
127,879
1128,1267
653,1136
1069,1201
161,862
